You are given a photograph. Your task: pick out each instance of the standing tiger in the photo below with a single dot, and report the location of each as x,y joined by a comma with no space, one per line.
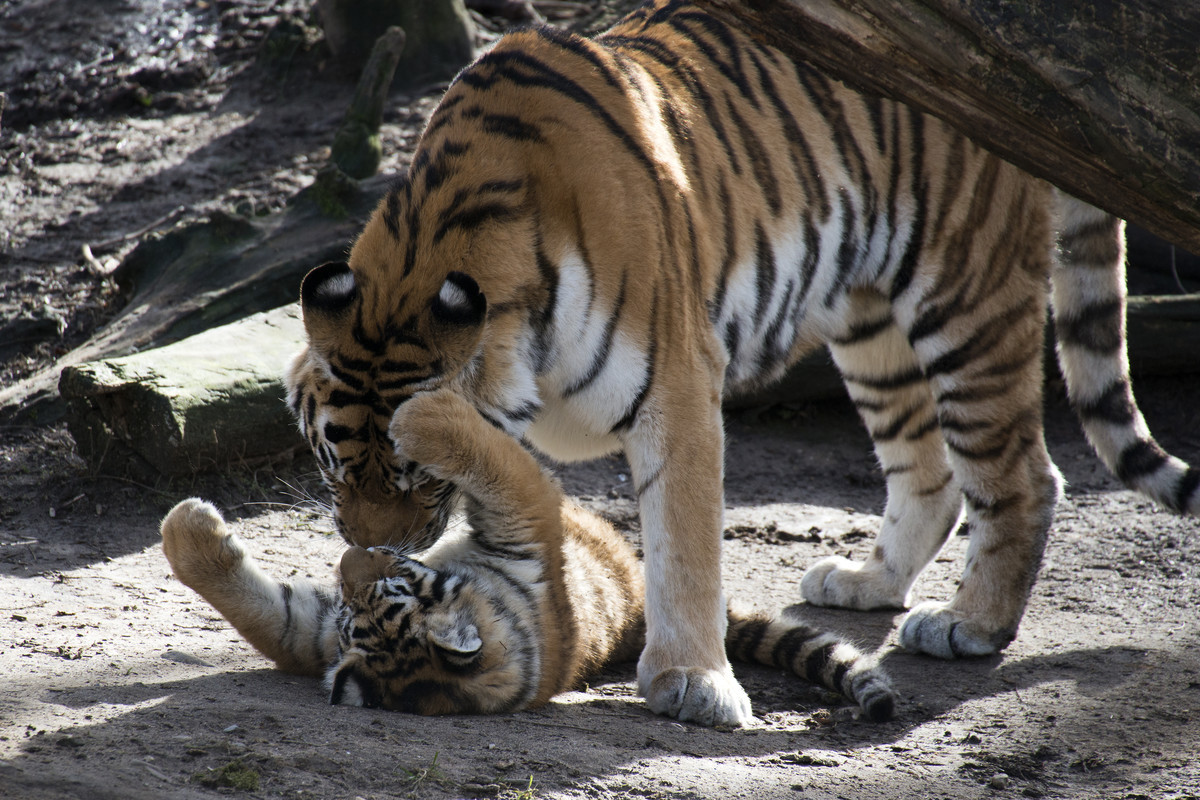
597,239
534,596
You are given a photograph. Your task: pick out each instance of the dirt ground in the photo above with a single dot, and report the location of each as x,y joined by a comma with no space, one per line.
129,116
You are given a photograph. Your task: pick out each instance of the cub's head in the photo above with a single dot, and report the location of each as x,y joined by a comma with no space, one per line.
417,640
362,362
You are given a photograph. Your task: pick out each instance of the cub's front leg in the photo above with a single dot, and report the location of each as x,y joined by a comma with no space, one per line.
293,624
451,441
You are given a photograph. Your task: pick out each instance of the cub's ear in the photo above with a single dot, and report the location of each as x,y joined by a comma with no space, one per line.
360,568
459,301
456,638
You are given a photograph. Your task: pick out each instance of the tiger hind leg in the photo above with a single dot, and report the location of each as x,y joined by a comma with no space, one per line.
985,371
891,394
293,624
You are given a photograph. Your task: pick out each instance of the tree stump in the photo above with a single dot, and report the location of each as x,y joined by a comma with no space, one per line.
440,35
356,147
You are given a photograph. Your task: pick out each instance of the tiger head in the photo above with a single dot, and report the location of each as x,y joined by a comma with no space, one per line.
419,640
359,366
407,313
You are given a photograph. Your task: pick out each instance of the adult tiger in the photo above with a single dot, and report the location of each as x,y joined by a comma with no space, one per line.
641,222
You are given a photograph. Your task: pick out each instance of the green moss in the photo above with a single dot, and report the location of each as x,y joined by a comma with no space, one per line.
234,775
333,191
357,150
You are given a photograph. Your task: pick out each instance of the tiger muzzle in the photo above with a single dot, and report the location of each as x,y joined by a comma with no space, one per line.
401,520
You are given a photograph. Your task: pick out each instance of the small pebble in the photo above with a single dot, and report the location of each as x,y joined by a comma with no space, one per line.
999,781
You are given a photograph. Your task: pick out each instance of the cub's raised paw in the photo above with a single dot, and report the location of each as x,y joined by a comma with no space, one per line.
938,630
705,696
197,543
838,582
426,427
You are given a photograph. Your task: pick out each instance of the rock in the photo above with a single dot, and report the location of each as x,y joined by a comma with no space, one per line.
210,273
211,400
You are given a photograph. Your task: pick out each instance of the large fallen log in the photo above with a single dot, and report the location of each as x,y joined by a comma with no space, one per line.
208,274
1098,98
1164,335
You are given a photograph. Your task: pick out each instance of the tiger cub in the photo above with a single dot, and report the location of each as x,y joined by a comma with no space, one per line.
534,597
599,239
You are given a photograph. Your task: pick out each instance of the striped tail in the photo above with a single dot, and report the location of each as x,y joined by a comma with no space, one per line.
815,655
1088,293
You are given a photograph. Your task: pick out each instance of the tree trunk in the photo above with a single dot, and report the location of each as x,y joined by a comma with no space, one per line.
1099,98
440,35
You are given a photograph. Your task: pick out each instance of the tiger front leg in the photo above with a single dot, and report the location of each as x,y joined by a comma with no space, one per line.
886,384
675,453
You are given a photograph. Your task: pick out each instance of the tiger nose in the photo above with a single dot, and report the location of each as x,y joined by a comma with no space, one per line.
397,521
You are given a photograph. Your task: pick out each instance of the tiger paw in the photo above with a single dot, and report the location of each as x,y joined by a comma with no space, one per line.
939,630
197,543
705,696
841,583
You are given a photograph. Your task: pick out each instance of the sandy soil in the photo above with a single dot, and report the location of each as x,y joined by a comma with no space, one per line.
118,682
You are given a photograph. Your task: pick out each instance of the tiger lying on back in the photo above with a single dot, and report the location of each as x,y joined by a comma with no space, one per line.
536,596
598,238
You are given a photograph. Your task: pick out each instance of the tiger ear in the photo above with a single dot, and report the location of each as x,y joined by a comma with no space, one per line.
360,567
326,294
456,638
455,322
328,289
460,301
